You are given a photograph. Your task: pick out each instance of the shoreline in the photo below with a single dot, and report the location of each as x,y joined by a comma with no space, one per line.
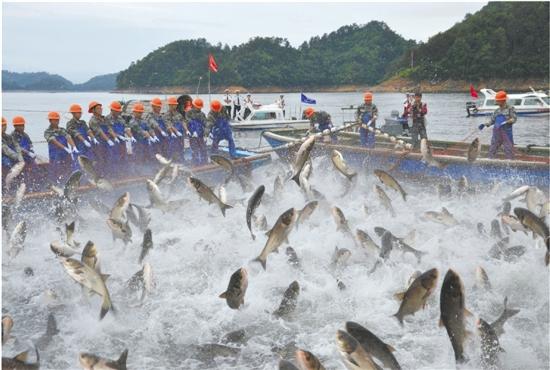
392,85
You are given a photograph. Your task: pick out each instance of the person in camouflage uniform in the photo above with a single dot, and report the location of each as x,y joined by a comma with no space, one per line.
174,125
123,133
502,120
219,128
145,136
418,112
366,115
80,132
102,130
195,125
11,152
61,149
25,143
155,120
319,122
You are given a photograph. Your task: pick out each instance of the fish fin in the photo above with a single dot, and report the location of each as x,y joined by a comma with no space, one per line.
223,295
390,348
122,359
268,232
225,207
22,356
440,324
253,236
51,328
404,196
399,318
104,277
547,258
106,305
350,177
467,312
399,296
501,349
263,262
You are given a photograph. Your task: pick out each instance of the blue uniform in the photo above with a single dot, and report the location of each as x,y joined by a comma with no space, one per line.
104,151
366,114
503,119
79,127
196,124
60,160
156,123
218,123
176,146
321,121
143,151
120,155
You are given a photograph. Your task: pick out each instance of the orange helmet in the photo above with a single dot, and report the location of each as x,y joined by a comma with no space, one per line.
216,106
156,102
172,101
309,112
198,103
4,121
92,106
75,108
501,96
53,115
18,121
138,108
367,96
116,106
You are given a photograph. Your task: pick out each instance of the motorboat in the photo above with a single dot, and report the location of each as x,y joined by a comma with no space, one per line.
526,104
266,117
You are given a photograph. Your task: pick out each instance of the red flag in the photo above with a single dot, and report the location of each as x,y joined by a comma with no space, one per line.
473,92
212,65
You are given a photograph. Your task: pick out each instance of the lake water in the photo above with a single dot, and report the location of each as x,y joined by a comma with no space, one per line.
446,112
196,250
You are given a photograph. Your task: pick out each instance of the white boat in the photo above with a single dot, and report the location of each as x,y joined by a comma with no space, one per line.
531,103
266,117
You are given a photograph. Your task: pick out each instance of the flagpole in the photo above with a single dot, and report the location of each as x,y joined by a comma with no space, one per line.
209,98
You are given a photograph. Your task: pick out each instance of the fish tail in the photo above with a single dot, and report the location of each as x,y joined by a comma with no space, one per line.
51,329
547,258
404,196
262,261
106,305
121,362
253,236
508,312
296,178
399,318
352,176
225,207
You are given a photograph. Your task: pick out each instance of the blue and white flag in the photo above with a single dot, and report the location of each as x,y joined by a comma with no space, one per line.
307,100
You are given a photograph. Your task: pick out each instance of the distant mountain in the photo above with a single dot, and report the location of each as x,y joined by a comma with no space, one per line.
43,81
503,40
351,55
34,81
99,83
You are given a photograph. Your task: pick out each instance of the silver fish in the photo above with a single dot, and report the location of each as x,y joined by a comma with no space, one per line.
427,156
236,290
7,325
384,199
86,164
498,324
366,241
415,297
89,361
473,150
278,234
19,194
13,173
120,230
516,193
17,239
341,165
490,347
535,224
146,245
223,162
253,203
301,158
389,181
373,345
207,194
341,221
306,212
19,362
355,356
118,212
290,300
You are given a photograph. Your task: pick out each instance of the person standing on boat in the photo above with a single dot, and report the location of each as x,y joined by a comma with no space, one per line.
219,128
503,118
366,115
107,138
25,143
227,103
319,122
174,125
248,105
407,107
156,122
61,148
80,132
281,103
123,133
418,112
195,124
142,132
236,104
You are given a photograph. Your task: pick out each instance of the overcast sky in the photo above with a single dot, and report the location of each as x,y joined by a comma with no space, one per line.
82,40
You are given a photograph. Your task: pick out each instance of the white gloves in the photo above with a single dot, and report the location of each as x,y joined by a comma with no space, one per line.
195,134
163,133
133,140
87,143
94,140
173,135
75,151
179,134
116,139
31,154
68,150
110,142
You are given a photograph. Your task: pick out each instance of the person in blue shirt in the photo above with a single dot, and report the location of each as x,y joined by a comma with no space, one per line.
502,120
218,125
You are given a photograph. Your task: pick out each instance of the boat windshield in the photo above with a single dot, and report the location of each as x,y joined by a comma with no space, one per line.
532,101
263,115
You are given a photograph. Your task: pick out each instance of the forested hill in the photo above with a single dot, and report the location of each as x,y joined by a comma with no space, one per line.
43,81
503,40
351,55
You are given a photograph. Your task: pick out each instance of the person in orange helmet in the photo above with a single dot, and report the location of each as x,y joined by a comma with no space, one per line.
174,125
123,133
144,135
107,139
366,114
80,132
156,122
418,111
195,124
61,148
23,140
11,151
502,120
219,128
320,121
